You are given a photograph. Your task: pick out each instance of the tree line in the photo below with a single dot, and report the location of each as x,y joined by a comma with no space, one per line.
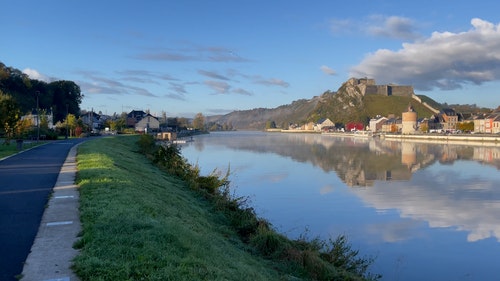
21,95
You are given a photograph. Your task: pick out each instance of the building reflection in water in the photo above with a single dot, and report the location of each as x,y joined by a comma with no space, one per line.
448,184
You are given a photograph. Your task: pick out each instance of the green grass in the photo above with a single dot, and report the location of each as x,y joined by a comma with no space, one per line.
165,221
385,105
11,148
142,224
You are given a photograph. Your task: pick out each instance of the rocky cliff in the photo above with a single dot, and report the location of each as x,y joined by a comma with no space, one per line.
350,103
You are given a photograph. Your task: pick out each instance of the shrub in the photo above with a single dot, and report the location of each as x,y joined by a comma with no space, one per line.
270,243
146,144
339,252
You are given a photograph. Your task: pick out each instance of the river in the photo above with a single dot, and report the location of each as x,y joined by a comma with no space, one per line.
423,211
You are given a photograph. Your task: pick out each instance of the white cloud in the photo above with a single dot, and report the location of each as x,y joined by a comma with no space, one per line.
218,86
242,92
193,52
34,74
327,70
392,27
212,74
273,82
95,84
445,60
469,210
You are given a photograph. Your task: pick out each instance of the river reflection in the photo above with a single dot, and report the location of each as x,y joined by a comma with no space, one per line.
427,211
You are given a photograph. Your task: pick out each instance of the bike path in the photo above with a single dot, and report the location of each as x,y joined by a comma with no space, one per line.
27,180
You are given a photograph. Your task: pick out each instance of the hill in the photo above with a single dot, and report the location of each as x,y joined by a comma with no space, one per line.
357,100
256,119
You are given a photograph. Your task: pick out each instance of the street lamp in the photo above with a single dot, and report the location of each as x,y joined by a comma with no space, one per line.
37,117
67,113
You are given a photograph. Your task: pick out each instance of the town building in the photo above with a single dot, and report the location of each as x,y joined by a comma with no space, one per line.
377,123
45,116
142,122
324,124
147,124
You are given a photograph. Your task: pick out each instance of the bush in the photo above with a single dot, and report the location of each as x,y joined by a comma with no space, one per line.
269,243
146,144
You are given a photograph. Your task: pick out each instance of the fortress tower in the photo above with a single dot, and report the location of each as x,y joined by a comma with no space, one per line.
409,121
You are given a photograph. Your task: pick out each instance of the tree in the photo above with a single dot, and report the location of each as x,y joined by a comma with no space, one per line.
120,123
424,128
466,126
66,95
60,96
199,122
163,117
10,114
22,127
182,123
270,125
70,124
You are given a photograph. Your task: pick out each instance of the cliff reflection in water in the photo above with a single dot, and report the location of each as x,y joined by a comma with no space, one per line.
359,161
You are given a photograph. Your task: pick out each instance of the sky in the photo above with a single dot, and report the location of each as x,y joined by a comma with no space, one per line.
213,57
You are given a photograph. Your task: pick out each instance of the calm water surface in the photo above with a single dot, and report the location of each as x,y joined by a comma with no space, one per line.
424,211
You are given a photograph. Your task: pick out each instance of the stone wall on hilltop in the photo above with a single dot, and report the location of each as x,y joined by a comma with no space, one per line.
369,87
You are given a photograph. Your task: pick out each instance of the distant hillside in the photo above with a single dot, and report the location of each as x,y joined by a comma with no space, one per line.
255,119
357,100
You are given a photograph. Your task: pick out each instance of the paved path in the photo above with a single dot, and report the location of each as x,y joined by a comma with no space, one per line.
26,182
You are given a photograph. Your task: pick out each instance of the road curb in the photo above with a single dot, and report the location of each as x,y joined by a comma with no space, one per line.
52,253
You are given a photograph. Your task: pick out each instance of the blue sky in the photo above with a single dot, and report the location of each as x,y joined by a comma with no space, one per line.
213,57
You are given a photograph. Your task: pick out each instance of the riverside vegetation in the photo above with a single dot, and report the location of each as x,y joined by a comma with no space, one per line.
157,218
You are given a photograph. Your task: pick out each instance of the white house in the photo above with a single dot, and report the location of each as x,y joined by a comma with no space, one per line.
323,123
376,124
45,115
148,123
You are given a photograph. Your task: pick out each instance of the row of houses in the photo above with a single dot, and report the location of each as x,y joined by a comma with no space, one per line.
447,120
137,119
323,124
489,124
444,121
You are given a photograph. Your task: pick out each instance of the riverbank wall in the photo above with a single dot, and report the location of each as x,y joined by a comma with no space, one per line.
476,140
485,140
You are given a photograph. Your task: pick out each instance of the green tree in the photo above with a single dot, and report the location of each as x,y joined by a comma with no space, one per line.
466,126
70,123
61,96
120,124
424,128
270,125
66,95
10,114
199,122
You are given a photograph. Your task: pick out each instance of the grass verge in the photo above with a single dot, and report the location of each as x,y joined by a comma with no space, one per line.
141,224
7,149
164,221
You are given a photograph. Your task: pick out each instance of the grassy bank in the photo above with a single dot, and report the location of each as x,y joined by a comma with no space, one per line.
166,222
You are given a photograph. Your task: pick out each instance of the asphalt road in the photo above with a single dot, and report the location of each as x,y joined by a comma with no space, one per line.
26,182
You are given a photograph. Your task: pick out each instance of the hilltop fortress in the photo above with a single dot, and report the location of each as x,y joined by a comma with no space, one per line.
369,87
